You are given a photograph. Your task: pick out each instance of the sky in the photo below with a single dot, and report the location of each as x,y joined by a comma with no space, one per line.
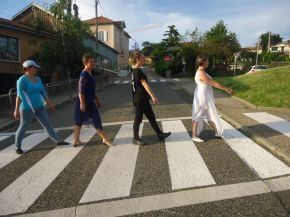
247,18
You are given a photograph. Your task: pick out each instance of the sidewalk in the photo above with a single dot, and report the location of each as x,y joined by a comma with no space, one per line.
233,109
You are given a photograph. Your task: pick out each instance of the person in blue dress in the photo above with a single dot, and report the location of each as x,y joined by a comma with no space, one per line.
86,107
30,102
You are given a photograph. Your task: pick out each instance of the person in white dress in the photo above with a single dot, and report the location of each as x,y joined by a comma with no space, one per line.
203,101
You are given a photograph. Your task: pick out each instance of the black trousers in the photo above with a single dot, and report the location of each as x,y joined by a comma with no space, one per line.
144,107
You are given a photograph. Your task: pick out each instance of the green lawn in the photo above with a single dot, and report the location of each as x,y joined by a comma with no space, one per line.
267,88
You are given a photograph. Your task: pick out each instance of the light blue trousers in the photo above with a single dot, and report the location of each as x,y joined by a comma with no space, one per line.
26,117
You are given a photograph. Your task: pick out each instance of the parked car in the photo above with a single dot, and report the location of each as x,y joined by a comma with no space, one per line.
257,69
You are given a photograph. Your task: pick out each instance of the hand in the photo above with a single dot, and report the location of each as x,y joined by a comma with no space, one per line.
52,107
99,103
16,114
83,107
155,100
229,91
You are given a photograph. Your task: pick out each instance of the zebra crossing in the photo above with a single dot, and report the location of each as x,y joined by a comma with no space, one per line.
114,175
272,121
150,81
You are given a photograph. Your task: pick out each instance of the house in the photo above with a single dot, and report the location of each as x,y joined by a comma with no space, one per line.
281,48
253,49
22,37
107,56
113,34
18,42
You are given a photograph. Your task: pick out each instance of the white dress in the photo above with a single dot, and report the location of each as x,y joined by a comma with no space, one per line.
203,104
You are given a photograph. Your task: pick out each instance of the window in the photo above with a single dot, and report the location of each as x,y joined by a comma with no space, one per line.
8,48
103,35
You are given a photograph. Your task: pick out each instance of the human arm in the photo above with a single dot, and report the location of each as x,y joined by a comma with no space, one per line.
204,78
46,98
98,101
150,91
81,88
17,105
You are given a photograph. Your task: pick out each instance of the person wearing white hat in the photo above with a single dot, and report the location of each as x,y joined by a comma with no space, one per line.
30,99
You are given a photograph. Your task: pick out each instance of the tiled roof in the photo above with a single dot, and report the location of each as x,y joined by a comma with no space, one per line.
104,21
101,20
21,27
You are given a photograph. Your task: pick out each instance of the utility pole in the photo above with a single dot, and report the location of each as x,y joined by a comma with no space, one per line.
66,62
258,46
235,66
97,29
269,41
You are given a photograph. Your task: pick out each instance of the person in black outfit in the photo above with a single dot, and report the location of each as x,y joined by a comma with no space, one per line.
141,95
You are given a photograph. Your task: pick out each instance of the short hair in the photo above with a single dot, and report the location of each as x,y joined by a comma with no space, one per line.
201,59
25,69
86,57
136,57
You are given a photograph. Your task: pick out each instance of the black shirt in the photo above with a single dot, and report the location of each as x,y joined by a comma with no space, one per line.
138,91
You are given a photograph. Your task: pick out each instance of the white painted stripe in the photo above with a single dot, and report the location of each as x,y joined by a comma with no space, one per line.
280,184
186,166
8,154
126,82
115,174
23,192
272,121
3,138
170,200
176,79
261,161
163,80
117,82
153,80
104,124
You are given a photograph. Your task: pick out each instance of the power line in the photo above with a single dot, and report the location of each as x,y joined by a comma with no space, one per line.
103,8
92,5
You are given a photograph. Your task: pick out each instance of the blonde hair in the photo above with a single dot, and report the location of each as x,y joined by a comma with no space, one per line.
201,59
137,55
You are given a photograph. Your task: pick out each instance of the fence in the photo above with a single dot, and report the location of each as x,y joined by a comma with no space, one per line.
58,92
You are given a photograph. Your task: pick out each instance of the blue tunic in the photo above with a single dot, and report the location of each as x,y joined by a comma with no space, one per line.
87,86
32,94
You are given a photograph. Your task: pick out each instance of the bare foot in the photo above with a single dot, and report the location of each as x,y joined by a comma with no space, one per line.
77,143
107,143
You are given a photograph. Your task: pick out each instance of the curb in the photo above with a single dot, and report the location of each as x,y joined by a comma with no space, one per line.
265,143
259,107
244,101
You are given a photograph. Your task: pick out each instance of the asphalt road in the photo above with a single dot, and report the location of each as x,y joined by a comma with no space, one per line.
143,177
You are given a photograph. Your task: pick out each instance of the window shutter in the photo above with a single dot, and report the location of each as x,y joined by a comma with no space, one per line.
106,35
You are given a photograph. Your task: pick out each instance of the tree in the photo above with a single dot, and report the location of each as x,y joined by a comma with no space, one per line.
196,37
220,43
274,39
147,48
65,47
172,37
